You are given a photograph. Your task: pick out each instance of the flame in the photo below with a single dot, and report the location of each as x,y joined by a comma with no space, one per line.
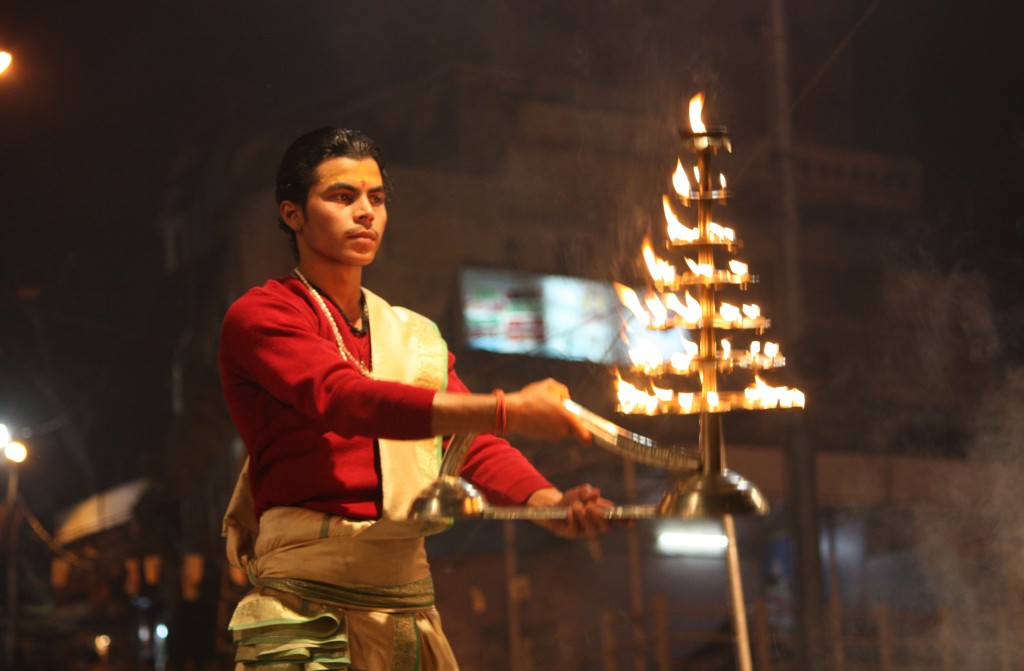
700,269
632,399
690,312
691,348
680,182
755,347
661,270
721,232
680,361
771,349
632,302
721,179
726,348
696,106
729,312
738,267
663,395
657,309
646,356
677,232
763,395
685,400
696,174
712,398
751,310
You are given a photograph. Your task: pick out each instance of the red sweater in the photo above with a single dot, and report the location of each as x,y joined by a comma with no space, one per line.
309,418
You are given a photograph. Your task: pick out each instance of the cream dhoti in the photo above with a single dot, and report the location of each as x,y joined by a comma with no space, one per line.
333,593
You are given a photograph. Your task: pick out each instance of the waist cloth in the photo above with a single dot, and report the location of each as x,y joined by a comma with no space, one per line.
328,591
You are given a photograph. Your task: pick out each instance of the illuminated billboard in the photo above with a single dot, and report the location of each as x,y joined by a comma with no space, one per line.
550,316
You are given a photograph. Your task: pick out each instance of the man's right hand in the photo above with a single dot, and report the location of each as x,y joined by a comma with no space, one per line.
537,411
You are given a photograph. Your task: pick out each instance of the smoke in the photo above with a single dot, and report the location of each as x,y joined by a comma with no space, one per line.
966,538
969,549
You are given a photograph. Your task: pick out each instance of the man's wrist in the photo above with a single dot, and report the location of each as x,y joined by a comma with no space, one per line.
546,496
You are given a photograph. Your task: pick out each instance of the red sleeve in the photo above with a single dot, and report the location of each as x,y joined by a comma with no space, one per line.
277,343
497,468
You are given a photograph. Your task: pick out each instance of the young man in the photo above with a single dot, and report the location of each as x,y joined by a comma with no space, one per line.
341,399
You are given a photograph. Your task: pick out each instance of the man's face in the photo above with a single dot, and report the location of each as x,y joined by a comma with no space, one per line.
345,214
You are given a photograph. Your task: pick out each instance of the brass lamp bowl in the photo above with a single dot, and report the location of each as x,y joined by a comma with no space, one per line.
446,498
712,495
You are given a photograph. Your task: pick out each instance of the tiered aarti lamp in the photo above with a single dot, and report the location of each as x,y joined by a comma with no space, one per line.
670,304
713,491
665,385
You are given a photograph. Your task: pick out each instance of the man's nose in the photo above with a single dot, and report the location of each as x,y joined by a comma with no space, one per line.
363,209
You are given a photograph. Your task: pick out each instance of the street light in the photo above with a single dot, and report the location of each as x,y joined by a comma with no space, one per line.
15,453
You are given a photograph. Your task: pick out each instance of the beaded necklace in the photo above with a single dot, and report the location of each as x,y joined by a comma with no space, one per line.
342,349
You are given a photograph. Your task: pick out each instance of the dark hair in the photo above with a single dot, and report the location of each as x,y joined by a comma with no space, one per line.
297,170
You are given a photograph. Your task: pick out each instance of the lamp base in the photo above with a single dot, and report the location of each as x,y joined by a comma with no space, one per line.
712,495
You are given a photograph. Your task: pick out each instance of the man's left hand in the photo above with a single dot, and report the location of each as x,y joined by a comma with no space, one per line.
585,517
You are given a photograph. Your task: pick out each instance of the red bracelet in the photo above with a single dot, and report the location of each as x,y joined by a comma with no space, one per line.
500,413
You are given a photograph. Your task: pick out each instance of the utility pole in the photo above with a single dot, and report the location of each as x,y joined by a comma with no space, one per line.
800,468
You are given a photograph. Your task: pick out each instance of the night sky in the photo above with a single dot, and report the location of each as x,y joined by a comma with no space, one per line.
102,96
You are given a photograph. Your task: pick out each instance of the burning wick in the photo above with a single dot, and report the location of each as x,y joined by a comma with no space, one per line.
661,270
722,233
680,182
700,269
696,106
675,229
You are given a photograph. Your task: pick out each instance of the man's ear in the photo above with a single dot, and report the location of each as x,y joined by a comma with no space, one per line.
291,215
